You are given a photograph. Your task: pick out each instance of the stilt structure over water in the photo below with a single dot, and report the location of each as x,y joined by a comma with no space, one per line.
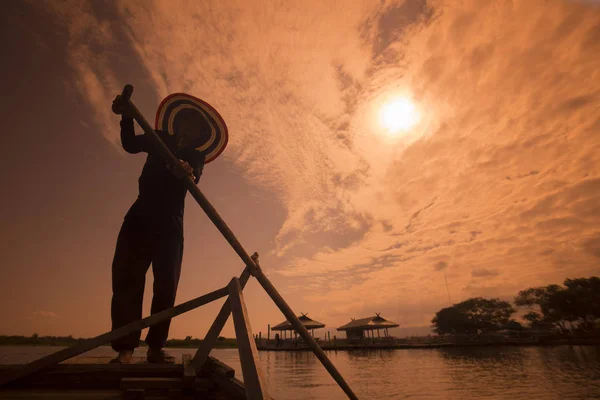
366,327
308,323
197,377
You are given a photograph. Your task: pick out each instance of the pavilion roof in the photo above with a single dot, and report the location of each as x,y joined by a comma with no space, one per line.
375,322
308,323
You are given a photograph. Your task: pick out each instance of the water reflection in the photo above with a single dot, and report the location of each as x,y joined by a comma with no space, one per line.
513,373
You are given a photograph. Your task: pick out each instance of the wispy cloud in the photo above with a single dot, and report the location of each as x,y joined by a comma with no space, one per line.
44,314
89,39
499,180
484,272
440,266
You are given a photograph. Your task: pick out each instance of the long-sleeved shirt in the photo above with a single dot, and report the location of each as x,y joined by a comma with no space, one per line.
161,199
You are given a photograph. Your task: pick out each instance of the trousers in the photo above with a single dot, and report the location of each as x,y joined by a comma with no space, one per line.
138,247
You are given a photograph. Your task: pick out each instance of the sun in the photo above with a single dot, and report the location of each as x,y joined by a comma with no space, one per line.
400,115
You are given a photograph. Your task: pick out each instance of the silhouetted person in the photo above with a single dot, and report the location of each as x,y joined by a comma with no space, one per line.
152,233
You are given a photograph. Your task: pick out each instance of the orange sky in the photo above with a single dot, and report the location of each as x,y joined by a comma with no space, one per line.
497,186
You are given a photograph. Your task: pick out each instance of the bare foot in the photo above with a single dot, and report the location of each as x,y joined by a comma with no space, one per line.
158,356
124,357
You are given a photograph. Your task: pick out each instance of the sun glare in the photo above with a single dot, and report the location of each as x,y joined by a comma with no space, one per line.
399,115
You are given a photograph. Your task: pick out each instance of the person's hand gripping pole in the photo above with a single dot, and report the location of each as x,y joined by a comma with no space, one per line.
122,106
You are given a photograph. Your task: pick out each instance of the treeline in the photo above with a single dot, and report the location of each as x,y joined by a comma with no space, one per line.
572,308
222,343
35,340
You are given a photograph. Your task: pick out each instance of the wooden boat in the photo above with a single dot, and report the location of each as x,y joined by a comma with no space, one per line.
95,379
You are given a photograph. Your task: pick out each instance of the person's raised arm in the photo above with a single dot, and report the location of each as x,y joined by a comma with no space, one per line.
131,142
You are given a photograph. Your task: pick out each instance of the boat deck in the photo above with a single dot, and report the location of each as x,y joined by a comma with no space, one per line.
90,379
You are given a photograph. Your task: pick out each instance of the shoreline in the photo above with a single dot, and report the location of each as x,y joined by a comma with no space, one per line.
50,341
363,347
106,345
264,345
344,345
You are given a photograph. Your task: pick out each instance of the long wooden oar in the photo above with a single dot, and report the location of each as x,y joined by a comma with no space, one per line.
230,237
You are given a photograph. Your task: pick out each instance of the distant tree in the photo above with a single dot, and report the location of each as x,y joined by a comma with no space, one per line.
451,320
578,304
473,316
541,301
534,318
582,301
187,338
514,326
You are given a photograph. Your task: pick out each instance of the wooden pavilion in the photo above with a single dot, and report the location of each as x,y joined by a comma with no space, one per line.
365,327
309,323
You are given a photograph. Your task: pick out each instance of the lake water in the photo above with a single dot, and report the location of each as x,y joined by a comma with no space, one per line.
562,372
